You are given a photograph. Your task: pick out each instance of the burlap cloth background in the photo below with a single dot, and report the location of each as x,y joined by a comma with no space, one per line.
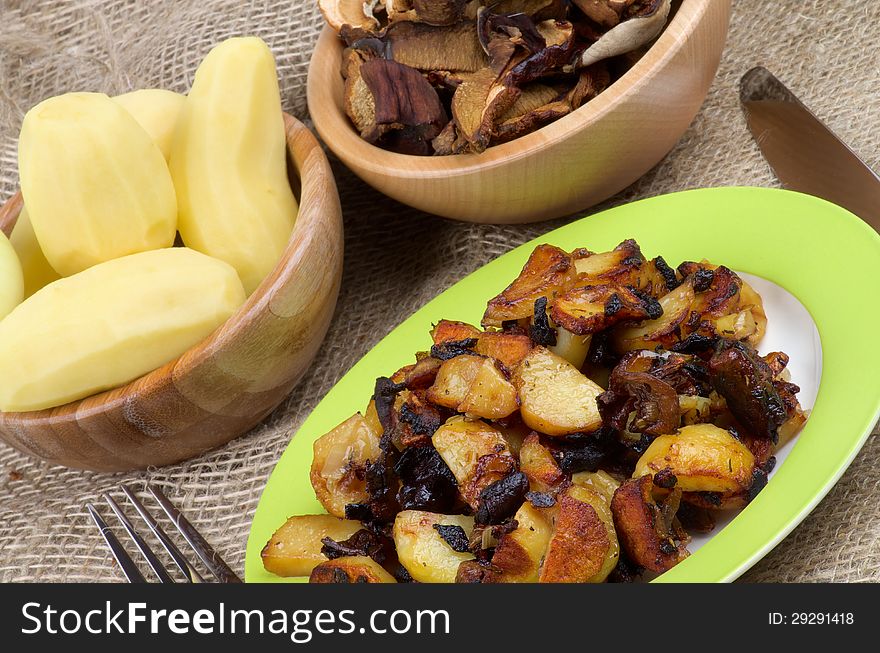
825,49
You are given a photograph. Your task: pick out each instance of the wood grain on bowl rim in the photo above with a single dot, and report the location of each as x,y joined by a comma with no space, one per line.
228,383
570,164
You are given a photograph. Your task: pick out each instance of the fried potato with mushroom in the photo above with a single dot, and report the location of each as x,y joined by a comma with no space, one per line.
703,458
475,386
647,530
519,553
539,465
548,270
555,398
353,569
496,457
340,461
583,548
295,548
422,549
476,453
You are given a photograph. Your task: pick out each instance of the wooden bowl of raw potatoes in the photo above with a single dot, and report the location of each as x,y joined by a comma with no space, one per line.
571,164
221,388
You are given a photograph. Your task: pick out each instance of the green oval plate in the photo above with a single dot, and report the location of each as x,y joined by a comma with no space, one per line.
823,255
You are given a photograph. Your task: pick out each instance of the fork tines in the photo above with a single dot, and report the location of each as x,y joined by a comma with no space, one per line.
211,559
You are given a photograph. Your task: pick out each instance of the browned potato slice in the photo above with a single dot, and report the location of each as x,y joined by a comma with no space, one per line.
584,546
751,320
474,385
422,550
519,553
295,548
354,569
449,331
491,395
454,379
694,409
539,465
600,482
703,457
621,265
514,431
572,348
548,270
555,398
371,415
507,348
647,530
750,300
665,331
585,310
476,453
339,462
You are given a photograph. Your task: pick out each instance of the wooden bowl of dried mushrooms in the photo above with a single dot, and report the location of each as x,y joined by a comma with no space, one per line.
514,111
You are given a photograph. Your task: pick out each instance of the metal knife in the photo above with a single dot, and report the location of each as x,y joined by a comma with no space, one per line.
805,155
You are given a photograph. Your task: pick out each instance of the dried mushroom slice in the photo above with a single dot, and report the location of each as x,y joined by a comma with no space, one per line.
539,104
355,13
394,106
640,23
427,47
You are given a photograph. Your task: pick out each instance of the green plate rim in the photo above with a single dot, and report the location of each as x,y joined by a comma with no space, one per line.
800,242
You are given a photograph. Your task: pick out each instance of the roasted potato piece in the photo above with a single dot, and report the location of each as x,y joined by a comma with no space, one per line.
449,331
648,531
694,409
601,482
371,415
583,548
539,465
519,553
751,301
340,461
555,398
572,348
620,266
490,395
703,457
295,548
585,310
663,332
473,385
514,431
353,569
547,271
454,379
750,321
507,348
476,453
421,548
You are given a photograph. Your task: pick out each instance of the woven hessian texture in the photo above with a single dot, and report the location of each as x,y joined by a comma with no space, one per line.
825,49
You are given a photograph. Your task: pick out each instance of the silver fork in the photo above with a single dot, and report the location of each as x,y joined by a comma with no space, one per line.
203,550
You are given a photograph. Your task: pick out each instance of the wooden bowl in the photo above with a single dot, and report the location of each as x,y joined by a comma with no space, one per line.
221,388
571,164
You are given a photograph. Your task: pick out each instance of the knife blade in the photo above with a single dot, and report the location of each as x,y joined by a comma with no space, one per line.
805,154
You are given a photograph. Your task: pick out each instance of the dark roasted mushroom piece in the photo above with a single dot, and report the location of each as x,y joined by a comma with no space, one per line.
654,402
745,380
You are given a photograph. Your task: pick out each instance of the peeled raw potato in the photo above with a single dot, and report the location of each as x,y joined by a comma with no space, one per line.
156,110
229,161
95,184
109,325
36,269
11,281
